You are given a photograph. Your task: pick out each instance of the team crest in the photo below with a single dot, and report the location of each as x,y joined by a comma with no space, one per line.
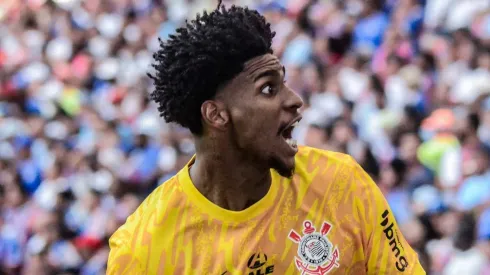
317,255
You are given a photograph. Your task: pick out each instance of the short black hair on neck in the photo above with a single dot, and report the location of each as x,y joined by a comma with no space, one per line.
204,54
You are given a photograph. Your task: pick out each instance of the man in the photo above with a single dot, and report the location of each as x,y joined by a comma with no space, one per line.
251,201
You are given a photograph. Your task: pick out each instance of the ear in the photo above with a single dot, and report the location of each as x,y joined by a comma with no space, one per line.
214,114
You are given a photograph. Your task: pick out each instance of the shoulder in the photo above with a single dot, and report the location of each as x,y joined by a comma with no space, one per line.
160,198
309,158
321,167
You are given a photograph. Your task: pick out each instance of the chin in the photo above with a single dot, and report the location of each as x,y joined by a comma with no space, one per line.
285,168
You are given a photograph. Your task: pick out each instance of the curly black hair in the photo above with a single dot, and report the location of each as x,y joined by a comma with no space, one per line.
206,53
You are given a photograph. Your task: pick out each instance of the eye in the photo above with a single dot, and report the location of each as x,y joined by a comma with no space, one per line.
268,89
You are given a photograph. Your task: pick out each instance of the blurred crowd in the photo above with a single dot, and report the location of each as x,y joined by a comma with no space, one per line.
401,85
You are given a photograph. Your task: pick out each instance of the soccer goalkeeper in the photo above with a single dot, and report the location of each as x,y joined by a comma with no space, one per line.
251,201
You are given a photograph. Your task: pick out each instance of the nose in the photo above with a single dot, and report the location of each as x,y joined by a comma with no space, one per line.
293,101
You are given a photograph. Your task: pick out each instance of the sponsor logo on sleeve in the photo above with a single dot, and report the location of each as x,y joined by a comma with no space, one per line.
391,234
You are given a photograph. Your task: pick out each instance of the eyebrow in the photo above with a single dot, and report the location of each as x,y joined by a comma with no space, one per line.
270,72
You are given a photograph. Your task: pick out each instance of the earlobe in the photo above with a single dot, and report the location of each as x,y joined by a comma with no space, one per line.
214,114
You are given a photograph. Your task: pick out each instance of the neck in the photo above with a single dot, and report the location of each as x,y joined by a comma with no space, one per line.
228,180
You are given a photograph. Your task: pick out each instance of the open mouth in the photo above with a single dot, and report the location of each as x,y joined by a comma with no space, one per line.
286,134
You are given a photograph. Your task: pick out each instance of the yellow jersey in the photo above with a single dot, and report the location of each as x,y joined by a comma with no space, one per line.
328,218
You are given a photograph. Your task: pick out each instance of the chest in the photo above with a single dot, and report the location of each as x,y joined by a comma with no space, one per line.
299,241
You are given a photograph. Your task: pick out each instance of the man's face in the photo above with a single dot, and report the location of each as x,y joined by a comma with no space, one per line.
263,112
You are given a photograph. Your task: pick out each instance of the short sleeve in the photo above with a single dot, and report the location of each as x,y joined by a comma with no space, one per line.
386,250
122,260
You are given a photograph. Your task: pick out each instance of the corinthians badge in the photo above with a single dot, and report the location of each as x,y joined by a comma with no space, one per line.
317,256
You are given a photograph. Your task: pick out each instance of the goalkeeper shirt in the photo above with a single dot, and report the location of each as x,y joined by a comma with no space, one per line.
328,218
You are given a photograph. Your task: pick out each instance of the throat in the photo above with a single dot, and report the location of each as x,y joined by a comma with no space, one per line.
234,189
232,202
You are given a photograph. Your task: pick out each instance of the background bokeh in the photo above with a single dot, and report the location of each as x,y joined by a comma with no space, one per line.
401,85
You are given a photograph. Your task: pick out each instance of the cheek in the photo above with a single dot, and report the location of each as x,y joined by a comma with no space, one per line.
252,127
243,121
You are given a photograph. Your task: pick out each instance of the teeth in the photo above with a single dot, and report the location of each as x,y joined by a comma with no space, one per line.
291,142
295,124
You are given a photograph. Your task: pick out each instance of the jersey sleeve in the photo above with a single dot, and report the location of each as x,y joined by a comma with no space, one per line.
386,250
121,258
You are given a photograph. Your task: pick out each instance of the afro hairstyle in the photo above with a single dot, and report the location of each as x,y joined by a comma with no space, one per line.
203,55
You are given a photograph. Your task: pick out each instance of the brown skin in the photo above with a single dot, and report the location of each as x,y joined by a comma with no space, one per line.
242,137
